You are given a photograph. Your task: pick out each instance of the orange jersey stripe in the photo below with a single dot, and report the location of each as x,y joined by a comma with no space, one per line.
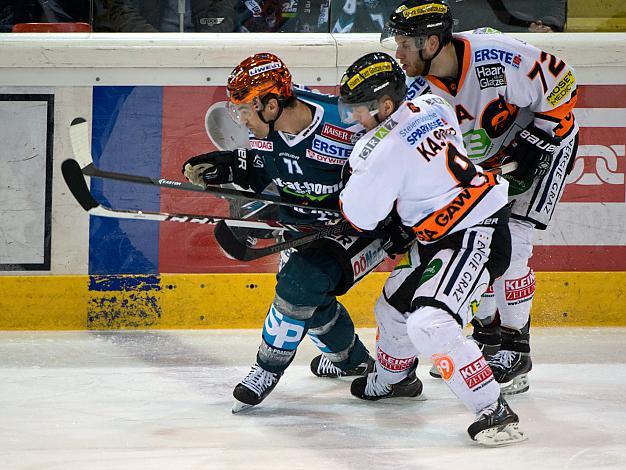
441,222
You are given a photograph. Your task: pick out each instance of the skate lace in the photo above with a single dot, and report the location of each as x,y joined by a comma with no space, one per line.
375,387
504,358
489,410
258,379
326,366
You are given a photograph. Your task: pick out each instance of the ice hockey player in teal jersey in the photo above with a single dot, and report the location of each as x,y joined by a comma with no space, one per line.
298,144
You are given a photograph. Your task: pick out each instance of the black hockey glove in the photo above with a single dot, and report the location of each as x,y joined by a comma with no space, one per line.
220,167
533,150
398,236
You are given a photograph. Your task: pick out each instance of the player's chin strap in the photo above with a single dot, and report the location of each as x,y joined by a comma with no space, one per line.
428,62
272,121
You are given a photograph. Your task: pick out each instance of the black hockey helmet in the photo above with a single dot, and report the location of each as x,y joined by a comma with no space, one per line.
368,79
419,19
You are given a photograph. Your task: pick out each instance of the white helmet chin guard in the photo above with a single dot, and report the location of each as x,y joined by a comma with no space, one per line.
225,133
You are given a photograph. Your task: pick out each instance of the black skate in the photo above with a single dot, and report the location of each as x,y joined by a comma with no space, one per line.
253,389
324,367
496,425
510,369
370,387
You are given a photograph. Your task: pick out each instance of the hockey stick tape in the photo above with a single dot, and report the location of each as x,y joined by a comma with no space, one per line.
225,133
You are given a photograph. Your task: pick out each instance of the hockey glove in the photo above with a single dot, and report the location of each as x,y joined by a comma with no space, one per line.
398,236
220,167
533,149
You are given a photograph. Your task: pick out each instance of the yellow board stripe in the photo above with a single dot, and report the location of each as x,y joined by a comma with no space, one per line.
241,301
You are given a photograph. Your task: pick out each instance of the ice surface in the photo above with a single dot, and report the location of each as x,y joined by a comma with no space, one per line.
162,400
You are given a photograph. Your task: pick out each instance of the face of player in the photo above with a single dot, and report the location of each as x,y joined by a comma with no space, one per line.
364,115
247,115
407,54
367,116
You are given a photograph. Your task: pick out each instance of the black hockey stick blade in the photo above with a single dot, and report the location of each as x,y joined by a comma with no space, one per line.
237,249
76,183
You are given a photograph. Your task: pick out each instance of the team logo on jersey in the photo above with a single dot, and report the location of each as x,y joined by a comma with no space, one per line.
262,145
477,374
507,57
312,191
383,131
324,158
424,129
562,89
431,270
257,162
370,257
417,87
498,116
486,30
477,143
490,76
416,121
331,147
339,134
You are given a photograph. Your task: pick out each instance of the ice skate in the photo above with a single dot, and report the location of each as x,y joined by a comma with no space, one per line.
510,369
253,389
496,425
321,366
371,387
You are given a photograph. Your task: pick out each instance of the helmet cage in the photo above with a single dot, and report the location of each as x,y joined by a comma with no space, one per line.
418,19
413,43
349,113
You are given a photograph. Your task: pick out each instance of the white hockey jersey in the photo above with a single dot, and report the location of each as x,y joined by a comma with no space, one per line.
415,161
502,85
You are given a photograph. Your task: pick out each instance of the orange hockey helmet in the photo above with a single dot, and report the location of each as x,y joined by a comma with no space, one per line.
257,76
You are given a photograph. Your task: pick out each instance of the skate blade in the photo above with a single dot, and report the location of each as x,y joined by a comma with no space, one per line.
519,384
434,373
239,406
500,436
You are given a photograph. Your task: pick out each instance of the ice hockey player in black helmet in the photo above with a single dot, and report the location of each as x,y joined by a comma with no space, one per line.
370,78
413,23
448,218
514,103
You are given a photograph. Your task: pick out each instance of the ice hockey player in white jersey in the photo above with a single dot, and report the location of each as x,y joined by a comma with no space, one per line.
411,178
514,102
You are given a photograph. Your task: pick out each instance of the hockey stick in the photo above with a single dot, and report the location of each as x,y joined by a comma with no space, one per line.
233,247
77,185
79,137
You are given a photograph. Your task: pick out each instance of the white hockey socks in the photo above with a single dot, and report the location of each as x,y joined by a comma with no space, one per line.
435,334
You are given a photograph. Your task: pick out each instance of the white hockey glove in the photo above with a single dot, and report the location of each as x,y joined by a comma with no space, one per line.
533,149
